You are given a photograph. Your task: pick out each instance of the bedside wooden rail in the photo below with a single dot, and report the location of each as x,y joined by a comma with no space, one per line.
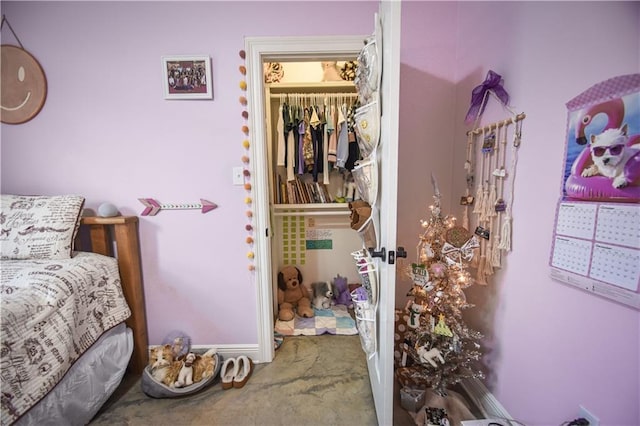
122,232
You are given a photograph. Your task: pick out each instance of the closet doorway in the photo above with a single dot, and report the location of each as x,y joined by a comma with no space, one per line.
261,50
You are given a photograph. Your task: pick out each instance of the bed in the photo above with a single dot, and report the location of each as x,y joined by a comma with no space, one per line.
73,318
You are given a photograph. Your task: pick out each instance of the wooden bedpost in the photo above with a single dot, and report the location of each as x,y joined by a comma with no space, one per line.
127,247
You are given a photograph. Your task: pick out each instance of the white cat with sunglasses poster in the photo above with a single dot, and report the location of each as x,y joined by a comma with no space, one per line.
610,154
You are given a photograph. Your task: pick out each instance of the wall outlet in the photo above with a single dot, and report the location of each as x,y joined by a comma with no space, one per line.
238,177
585,414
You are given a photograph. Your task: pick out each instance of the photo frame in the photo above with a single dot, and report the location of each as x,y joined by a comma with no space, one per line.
187,77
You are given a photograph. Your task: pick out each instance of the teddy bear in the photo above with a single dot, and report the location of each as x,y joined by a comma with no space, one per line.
293,297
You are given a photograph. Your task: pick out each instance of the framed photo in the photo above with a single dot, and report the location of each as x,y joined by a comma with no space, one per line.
187,77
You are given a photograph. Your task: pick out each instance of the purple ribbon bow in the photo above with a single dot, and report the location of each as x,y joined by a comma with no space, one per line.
491,82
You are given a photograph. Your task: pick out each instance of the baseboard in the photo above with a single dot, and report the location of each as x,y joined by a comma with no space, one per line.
488,404
232,351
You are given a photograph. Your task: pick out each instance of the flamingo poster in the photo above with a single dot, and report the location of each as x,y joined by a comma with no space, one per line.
602,161
596,237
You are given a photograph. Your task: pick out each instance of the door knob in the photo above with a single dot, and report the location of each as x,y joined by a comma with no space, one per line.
400,252
381,254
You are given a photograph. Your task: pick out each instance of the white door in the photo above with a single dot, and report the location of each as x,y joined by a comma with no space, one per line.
381,364
265,49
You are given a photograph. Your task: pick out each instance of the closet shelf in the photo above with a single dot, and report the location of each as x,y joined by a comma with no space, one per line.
328,86
311,209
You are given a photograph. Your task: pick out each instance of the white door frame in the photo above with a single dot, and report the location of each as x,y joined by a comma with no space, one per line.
274,49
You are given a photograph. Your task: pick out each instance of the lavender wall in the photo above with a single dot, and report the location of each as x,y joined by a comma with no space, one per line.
548,347
107,133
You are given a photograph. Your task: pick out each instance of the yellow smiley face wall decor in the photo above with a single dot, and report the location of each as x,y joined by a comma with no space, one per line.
23,85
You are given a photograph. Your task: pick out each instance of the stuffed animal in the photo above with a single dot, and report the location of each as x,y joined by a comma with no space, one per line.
293,297
185,376
330,71
322,294
342,295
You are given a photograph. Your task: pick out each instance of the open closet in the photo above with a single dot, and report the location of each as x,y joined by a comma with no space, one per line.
311,153
327,222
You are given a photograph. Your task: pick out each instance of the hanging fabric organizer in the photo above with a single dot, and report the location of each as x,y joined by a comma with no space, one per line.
365,174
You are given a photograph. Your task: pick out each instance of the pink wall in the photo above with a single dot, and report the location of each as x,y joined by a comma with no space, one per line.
549,347
107,133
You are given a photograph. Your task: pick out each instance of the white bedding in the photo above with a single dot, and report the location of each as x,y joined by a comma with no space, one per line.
87,385
52,312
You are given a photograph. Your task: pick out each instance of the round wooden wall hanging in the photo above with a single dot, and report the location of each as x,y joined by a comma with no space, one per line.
24,85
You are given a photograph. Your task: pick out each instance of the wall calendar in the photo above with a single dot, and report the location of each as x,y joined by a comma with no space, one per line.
596,247
596,238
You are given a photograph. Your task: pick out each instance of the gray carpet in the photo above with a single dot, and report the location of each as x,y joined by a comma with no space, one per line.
313,380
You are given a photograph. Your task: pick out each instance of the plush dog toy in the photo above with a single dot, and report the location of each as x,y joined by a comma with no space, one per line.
293,297
342,294
185,376
322,294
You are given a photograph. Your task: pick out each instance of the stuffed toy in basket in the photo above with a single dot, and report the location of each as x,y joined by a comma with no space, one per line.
167,377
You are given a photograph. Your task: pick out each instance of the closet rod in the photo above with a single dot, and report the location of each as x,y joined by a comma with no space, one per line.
497,124
326,95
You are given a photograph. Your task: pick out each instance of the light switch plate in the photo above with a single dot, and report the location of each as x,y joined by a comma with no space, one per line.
237,176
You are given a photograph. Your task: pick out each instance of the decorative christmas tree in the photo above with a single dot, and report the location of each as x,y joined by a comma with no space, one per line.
440,349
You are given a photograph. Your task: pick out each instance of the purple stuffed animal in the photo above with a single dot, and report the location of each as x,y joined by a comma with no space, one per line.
341,294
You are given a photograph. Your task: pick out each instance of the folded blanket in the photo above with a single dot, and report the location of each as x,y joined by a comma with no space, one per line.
332,321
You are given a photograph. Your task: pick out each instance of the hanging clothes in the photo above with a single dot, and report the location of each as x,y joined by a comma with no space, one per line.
333,138
308,142
317,133
281,147
325,146
314,138
342,151
354,150
290,145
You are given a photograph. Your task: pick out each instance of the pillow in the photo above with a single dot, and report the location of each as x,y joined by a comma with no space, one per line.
38,227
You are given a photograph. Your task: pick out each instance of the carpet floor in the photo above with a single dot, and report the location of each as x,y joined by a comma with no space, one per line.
313,380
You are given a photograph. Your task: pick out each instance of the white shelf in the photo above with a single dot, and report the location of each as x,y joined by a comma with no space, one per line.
311,209
341,86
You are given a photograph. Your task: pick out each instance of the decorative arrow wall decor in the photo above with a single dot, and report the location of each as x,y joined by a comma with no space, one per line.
154,206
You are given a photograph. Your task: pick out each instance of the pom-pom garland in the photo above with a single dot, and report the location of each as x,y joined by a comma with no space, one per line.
245,160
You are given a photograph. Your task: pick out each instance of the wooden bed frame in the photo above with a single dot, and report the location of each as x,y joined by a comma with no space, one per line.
120,234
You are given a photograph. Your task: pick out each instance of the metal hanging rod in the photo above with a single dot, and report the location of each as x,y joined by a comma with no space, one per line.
313,95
